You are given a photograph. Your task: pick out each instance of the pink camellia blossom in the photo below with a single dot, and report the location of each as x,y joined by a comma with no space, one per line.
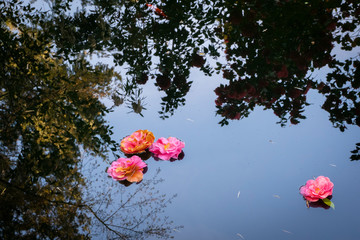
130,169
166,149
137,142
319,188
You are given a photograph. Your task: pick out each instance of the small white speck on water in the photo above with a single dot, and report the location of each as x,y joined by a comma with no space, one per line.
286,231
242,237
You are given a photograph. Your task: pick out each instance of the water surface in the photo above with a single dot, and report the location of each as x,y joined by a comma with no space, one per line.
264,94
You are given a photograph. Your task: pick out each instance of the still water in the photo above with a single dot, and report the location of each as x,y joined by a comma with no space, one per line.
242,181
219,76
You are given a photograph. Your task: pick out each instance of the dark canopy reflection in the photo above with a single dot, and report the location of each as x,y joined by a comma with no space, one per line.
271,47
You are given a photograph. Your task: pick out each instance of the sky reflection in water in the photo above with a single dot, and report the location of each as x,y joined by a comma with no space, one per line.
266,163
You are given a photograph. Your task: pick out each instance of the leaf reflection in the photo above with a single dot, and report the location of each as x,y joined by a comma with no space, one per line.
265,50
270,50
52,123
49,92
318,204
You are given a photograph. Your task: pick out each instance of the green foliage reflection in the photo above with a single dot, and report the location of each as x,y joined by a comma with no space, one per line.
51,116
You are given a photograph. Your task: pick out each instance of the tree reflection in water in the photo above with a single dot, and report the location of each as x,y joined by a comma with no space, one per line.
51,115
75,208
49,95
127,210
270,50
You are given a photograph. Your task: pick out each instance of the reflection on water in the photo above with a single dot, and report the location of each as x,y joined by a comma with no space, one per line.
50,115
120,210
61,209
265,50
46,208
50,94
319,204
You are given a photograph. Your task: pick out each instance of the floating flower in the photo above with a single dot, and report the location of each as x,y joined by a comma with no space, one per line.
166,149
320,188
137,142
130,169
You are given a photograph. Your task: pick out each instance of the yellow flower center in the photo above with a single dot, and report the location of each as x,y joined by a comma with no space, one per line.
166,146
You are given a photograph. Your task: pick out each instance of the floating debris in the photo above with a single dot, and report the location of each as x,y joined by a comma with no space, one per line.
176,230
276,196
286,231
271,141
333,165
189,119
242,237
238,195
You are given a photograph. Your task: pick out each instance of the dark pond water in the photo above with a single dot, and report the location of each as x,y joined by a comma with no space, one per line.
234,80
